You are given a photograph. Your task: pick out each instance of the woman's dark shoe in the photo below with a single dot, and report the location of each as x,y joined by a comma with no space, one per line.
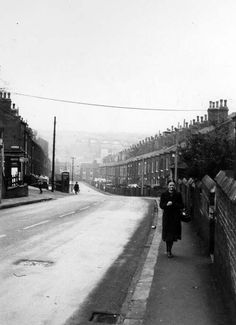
169,255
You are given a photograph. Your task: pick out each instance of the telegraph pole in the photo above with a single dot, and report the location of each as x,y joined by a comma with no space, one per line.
53,154
142,177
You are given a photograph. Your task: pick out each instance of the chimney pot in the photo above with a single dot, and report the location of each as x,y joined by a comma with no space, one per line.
186,124
205,117
194,121
201,119
217,104
225,103
213,104
0,94
4,95
221,103
13,105
9,95
198,119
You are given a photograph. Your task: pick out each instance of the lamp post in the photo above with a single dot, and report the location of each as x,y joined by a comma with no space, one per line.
176,157
72,172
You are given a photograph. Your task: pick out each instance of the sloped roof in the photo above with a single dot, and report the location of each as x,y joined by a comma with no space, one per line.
141,157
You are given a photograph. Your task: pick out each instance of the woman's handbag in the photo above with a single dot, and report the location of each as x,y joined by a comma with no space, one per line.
185,216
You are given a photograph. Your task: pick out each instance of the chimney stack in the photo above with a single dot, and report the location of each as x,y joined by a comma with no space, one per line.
223,111
213,113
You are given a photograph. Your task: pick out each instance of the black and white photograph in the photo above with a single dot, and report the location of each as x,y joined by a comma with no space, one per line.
118,162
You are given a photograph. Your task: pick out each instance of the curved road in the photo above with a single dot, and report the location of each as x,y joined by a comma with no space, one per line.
54,254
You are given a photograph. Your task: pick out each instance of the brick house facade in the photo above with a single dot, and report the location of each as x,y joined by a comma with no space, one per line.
152,161
22,154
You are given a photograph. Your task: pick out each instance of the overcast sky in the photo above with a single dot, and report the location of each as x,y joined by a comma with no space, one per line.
171,54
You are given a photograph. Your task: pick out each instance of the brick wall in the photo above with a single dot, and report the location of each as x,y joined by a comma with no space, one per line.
18,191
198,199
225,232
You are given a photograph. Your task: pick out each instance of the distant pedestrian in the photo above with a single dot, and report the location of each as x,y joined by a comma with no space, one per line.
171,202
40,184
76,188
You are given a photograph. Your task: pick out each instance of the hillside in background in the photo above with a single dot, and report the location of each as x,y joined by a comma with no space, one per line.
86,146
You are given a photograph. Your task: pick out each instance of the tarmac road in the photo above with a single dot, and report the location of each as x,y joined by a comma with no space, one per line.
179,291
55,254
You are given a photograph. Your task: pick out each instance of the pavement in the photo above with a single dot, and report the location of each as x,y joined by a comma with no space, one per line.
182,290
33,197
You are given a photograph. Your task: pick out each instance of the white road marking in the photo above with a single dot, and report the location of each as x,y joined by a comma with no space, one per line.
36,224
67,214
84,208
2,236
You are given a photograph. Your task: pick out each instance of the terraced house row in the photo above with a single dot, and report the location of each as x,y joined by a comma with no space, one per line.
23,155
151,162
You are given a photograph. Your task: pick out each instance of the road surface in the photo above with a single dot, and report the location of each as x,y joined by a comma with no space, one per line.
54,254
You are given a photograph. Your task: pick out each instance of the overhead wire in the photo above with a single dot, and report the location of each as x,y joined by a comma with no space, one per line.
106,105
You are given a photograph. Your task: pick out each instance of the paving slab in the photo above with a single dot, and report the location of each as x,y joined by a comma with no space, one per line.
33,197
182,290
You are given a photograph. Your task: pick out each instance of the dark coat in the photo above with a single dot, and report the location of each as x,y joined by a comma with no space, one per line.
171,224
76,187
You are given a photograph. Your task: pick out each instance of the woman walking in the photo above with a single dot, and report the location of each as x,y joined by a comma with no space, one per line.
171,202
76,188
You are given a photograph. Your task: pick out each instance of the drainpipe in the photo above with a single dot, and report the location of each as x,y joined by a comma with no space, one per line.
234,121
1,163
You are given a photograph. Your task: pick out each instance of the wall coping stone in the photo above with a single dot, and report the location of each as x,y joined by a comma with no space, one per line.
209,183
227,184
